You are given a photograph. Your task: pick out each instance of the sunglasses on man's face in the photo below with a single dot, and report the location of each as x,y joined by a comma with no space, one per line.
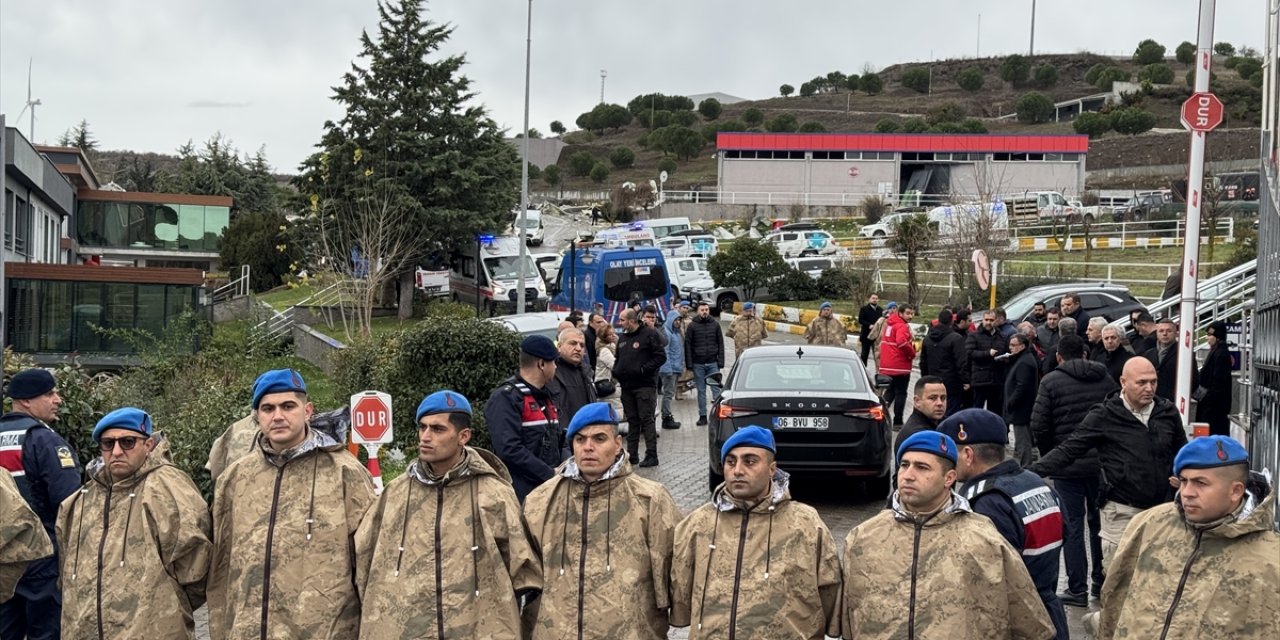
126,444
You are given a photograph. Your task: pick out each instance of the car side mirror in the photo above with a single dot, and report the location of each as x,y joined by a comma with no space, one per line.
883,382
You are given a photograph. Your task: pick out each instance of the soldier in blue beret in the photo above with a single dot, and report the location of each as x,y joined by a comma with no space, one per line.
1205,565
47,471
929,567
1019,503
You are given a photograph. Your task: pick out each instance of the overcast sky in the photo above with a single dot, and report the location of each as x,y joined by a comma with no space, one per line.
150,74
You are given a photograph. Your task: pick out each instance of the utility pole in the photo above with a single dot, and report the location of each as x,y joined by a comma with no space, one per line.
977,49
1031,51
521,233
603,73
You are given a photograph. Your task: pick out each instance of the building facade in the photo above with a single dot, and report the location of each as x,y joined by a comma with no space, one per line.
39,202
907,169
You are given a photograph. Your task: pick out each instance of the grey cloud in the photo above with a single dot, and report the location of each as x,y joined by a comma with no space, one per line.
217,104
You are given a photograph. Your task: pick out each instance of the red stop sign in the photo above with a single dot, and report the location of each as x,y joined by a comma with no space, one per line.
371,418
1202,112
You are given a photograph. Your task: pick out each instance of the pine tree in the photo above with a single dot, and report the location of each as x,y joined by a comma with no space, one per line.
411,134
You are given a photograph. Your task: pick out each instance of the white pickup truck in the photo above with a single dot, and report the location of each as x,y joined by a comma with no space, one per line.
433,283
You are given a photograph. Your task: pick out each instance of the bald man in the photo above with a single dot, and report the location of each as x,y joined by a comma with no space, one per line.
1136,434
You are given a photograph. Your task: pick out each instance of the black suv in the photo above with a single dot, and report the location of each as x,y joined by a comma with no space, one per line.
1111,301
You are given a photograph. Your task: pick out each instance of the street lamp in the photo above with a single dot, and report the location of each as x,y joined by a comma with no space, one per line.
524,165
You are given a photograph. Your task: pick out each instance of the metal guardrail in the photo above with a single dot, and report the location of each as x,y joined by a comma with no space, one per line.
235,289
280,323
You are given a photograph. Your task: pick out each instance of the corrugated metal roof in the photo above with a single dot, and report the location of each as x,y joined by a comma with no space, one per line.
903,142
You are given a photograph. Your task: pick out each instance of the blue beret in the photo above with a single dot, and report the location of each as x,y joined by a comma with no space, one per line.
277,381
124,418
30,383
975,426
750,436
824,305
892,305
1207,452
540,347
748,306
938,444
443,402
592,414
685,303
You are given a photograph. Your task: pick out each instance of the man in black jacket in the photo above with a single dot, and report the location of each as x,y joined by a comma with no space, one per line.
1070,306
703,355
986,374
1065,397
573,385
640,355
867,317
521,417
943,355
928,408
1137,435
1164,356
1144,333
1020,386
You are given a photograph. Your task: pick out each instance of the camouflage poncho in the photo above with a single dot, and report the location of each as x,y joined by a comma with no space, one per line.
234,443
22,536
144,544
767,570
606,555
301,510
445,557
946,576
1172,579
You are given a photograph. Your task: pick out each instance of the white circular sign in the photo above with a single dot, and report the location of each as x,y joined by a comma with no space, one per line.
662,177
982,269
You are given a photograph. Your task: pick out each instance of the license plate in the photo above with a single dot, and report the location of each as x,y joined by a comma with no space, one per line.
801,422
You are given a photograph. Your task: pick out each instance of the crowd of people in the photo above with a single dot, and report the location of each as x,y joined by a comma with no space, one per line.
553,534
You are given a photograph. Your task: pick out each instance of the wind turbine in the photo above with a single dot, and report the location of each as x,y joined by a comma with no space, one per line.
31,104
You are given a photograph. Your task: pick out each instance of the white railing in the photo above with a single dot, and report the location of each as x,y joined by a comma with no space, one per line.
237,288
280,323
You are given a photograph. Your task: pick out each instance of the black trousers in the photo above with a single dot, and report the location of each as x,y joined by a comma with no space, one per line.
639,405
896,395
989,397
867,345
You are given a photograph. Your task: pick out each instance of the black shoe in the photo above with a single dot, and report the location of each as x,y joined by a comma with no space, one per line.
650,461
1096,590
669,422
1073,599
633,459
702,421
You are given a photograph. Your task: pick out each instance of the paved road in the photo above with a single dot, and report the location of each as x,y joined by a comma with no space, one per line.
683,470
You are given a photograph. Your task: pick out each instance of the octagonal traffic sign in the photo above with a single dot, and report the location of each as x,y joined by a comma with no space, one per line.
1202,112
371,417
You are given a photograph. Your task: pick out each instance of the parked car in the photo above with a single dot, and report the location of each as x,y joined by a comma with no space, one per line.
694,243
721,298
886,226
548,265
1110,301
534,230
804,242
542,323
683,271
813,266
821,404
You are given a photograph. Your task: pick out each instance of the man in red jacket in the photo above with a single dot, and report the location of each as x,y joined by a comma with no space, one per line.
897,351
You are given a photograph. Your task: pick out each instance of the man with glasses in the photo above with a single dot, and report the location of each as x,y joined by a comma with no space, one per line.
523,419
136,540
46,471
283,519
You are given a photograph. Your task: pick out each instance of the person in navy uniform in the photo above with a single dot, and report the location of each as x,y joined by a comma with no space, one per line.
523,420
1019,503
46,470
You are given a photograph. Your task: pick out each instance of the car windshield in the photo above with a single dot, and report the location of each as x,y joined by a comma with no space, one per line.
624,284
530,223
507,267
790,374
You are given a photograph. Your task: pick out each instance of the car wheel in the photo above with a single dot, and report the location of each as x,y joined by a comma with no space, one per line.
878,235
1088,218
491,308
725,302
713,480
808,252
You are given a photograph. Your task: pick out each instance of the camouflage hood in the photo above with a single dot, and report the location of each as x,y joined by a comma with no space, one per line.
1175,579
22,536
315,440
942,575
444,555
300,509
605,546
142,545
767,569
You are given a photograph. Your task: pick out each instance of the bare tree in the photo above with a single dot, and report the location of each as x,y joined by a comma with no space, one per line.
976,222
912,237
1211,211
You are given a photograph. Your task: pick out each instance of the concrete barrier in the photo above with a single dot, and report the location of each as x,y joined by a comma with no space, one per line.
315,347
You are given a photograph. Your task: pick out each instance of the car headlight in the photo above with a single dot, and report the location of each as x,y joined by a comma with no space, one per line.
498,290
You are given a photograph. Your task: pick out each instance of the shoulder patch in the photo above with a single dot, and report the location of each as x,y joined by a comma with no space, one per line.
65,458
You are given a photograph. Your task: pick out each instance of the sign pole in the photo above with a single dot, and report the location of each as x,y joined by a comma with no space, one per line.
1191,240
995,268
374,469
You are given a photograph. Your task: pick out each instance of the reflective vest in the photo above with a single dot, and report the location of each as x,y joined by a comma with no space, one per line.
13,435
1037,506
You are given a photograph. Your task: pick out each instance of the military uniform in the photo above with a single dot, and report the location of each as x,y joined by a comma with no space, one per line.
234,443
763,570
606,554
828,331
22,537
135,554
746,331
283,565
445,557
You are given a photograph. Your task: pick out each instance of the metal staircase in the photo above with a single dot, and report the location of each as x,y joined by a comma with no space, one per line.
279,324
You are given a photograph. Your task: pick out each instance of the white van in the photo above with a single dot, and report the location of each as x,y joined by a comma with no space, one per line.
533,227
682,271
689,243
663,227
950,220
633,235
801,242
490,277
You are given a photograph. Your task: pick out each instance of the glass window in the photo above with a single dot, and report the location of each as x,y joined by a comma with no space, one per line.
55,330
86,312
789,375
623,284
151,308
216,220
119,312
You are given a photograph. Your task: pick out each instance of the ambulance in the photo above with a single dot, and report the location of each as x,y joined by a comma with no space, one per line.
489,277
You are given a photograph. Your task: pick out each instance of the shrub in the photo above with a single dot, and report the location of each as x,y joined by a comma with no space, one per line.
682,141
622,158
551,175
871,84
973,125
1247,67
782,123
946,112
812,127
581,163
1224,49
1185,53
853,82
916,78
1015,69
887,125
1231,62
1046,75
1091,76
1033,107
710,108
845,282
1149,52
667,164
971,79
807,89
874,208
1132,120
915,125
1091,124
752,117
579,137
1158,73
599,173
711,129
786,90
684,118
794,285
1110,76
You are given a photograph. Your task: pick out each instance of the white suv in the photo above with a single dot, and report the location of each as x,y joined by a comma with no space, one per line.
801,242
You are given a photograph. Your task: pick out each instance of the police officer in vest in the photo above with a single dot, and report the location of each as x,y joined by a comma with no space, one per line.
46,471
523,420
1023,508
